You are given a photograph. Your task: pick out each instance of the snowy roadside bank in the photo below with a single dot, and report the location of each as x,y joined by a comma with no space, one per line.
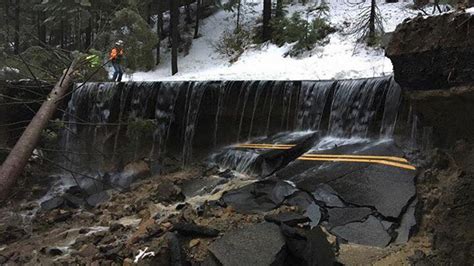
340,58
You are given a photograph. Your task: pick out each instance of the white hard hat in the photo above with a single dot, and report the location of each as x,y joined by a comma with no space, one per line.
119,42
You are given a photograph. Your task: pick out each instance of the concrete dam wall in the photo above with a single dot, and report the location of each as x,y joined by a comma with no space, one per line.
190,119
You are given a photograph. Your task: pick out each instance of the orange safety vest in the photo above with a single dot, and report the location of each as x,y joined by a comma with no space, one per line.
116,52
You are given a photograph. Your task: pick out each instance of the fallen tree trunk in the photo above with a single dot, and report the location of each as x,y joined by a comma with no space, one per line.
18,157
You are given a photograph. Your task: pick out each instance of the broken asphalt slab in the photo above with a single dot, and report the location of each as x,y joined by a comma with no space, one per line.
370,232
348,193
264,156
257,245
260,196
307,247
343,216
386,188
288,218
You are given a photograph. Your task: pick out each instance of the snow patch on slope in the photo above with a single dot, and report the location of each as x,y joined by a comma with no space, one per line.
340,58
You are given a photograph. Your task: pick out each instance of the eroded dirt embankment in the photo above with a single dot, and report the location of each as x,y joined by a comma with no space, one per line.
445,186
432,62
434,52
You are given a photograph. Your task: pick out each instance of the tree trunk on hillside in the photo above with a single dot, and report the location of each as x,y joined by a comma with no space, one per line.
7,19
174,20
16,161
239,6
17,27
41,28
372,23
198,17
159,26
267,16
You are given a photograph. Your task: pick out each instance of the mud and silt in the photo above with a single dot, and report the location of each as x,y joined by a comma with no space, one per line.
116,230
288,206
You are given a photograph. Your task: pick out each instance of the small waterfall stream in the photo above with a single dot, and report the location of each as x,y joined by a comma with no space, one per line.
183,115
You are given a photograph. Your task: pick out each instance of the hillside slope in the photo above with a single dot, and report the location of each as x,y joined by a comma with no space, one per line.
340,58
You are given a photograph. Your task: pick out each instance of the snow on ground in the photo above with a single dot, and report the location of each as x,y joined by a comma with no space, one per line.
338,59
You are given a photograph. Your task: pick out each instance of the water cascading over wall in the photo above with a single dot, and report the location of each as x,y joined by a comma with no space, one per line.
116,122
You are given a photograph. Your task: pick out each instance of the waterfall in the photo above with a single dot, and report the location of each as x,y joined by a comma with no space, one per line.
99,114
96,98
354,107
392,104
312,103
194,104
164,116
220,106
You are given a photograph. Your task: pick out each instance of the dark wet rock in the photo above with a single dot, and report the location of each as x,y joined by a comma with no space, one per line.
171,165
176,254
259,196
75,190
342,216
300,199
112,252
52,251
288,218
73,201
200,186
3,259
116,227
98,198
200,210
52,203
167,192
227,174
328,196
11,233
194,230
370,232
181,206
407,225
313,212
258,244
91,186
307,247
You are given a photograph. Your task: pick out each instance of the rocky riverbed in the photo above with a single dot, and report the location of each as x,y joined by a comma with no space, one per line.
186,218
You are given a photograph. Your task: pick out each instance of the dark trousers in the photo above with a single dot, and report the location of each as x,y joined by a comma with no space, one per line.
118,72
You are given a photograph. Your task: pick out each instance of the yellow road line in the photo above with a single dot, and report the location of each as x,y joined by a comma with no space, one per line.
276,147
355,156
384,162
265,148
266,145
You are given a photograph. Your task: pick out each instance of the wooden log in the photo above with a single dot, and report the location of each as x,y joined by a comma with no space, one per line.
18,157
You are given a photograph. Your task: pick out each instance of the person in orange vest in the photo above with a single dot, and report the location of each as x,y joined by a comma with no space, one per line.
116,56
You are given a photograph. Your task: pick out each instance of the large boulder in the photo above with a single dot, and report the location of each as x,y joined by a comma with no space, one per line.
434,52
